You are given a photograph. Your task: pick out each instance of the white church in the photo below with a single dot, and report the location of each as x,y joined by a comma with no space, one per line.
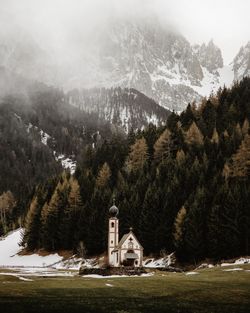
126,252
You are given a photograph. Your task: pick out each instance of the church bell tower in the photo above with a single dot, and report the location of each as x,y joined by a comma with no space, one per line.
113,237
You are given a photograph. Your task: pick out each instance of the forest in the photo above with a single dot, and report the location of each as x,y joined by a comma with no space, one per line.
183,186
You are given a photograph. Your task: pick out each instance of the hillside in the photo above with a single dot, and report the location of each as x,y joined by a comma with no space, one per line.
127,108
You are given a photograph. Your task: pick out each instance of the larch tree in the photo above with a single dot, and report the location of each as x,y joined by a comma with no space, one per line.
32,225
137,156
215,137
240,166
162,146
103,176
178,226
7,203
194,135
245,127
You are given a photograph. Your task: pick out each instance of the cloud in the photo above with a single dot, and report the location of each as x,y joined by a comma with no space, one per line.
60,24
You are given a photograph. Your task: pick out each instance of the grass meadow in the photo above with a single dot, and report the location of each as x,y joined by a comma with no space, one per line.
209,291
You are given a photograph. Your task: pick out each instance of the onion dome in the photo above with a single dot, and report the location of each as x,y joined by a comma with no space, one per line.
113,211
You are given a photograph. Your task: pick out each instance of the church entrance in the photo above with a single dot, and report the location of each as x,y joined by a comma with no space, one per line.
130,258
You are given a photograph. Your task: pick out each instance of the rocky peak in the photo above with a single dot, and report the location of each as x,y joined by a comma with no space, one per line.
241,63
209,56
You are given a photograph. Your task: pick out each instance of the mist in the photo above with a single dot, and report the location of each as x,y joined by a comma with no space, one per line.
63,33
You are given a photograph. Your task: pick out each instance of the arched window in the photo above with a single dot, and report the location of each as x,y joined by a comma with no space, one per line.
112,225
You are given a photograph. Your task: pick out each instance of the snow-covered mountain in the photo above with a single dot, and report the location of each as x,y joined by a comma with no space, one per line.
241,63
159,62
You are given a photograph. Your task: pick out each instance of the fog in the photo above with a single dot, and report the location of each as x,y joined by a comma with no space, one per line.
63,29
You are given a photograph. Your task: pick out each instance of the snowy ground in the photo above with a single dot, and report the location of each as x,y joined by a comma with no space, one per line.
9,248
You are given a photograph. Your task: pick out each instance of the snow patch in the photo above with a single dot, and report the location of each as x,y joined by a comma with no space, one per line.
9,247
116,276
159,263
191,273
237,262
44,137
67,163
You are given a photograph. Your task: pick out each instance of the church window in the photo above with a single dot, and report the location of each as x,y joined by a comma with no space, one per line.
130,245
112,224
112,241
117,257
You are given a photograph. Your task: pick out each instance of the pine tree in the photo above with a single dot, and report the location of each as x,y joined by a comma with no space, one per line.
71,214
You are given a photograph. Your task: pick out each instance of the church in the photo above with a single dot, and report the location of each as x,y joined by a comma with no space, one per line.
126,252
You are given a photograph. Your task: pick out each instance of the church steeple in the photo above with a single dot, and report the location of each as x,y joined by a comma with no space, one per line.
113,236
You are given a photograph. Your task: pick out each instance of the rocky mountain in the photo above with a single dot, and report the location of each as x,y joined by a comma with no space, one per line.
209,56
125,108
241,63
157,61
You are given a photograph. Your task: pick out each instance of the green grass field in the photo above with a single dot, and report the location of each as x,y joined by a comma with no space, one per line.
212,290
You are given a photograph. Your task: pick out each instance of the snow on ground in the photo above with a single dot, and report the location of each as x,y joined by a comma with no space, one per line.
191,273
160,263
109,285
67,163
9,248
116,276
237,262
44,137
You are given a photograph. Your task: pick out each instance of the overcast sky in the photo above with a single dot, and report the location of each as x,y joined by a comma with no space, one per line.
55,21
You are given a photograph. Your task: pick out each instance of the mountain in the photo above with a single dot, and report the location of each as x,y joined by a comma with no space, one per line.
126,108
241,63
141,54
159,62
43,130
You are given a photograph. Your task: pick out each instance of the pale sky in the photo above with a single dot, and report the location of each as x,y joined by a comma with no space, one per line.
227,22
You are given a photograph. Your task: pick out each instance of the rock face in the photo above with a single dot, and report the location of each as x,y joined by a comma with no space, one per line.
155,60
125,108
241,63
209,56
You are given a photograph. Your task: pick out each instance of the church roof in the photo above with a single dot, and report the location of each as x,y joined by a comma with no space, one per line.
124,237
